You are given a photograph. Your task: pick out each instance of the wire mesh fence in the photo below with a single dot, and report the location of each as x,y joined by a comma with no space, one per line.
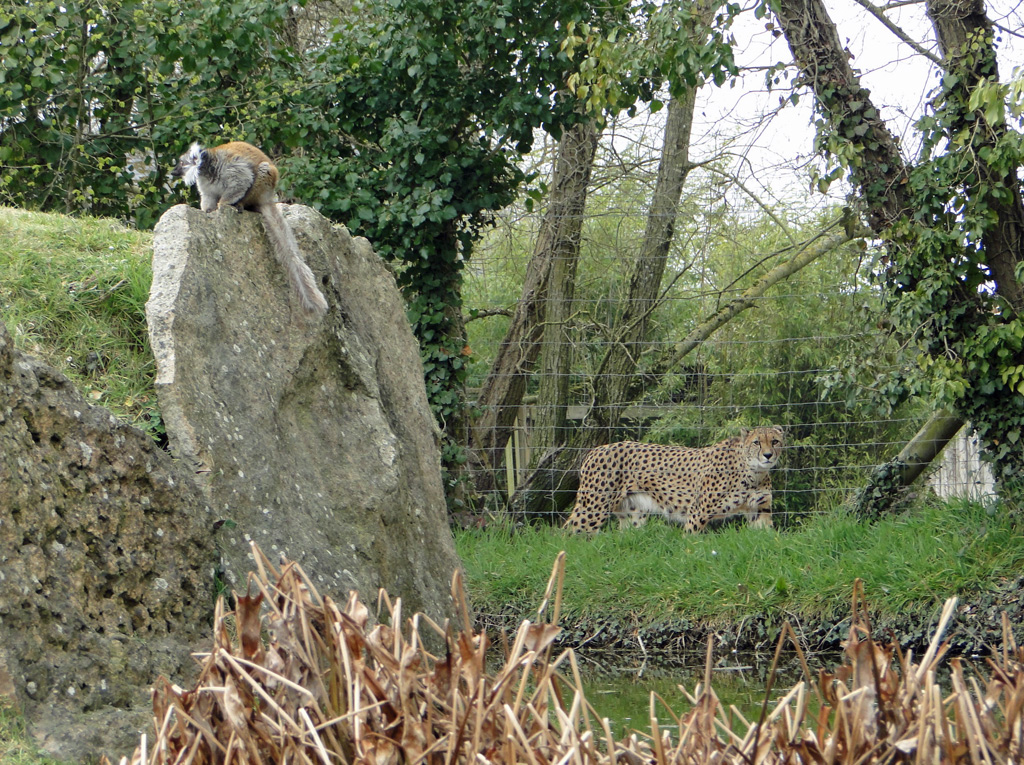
813,356
811,477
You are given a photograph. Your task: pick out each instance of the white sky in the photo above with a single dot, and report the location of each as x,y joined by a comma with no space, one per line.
899,79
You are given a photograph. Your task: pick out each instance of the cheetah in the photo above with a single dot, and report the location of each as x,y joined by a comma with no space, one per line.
690,487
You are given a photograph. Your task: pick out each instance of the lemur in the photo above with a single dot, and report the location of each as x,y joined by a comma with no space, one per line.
237,173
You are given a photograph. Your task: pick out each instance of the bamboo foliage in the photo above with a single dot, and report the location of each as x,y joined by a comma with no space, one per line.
294,678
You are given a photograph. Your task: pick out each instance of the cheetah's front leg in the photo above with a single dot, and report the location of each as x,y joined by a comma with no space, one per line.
758,509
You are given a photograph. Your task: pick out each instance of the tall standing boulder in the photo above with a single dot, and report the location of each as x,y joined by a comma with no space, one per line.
314,437
106,574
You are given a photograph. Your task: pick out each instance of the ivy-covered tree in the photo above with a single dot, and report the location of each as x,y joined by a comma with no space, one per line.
952,220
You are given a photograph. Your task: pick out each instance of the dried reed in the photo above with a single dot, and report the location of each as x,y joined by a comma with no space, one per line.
293,678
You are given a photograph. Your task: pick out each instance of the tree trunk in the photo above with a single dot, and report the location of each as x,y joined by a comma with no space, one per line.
552,486
879,172
965,37
890,480
559,237
619,364
556,346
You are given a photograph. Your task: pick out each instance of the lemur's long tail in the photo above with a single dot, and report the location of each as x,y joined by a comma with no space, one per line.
286,250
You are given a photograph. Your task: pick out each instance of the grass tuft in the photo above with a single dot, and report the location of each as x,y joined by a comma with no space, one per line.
16,746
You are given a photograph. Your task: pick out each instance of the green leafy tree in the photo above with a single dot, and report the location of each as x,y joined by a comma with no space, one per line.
98,98
786,361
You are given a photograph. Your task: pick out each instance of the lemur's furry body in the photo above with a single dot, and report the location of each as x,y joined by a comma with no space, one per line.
239,174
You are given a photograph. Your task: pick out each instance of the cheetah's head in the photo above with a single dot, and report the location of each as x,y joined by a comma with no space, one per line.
762,446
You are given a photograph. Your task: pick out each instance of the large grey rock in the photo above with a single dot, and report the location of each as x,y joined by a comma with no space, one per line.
105,574
315,437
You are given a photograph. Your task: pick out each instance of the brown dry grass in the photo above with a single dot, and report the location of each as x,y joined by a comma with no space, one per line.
294,678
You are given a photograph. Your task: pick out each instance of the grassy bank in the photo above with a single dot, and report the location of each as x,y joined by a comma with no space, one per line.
657,574
73,293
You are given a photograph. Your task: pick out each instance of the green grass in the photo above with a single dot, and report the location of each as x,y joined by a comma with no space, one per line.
16,747
73,293
909,563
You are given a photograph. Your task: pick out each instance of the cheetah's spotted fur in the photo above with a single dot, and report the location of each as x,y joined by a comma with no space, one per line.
690,487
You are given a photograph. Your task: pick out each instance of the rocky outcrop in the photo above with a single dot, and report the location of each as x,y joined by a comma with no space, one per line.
105,571
314,437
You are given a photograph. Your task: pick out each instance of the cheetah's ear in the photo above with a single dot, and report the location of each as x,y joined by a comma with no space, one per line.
744,432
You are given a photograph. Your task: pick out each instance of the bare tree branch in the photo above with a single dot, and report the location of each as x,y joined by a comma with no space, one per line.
486,313
879,13
749,298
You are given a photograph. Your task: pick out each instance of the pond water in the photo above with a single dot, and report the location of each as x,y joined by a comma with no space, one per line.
622,693
620,688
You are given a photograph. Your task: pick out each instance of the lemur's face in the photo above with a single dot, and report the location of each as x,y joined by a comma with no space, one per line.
188,165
